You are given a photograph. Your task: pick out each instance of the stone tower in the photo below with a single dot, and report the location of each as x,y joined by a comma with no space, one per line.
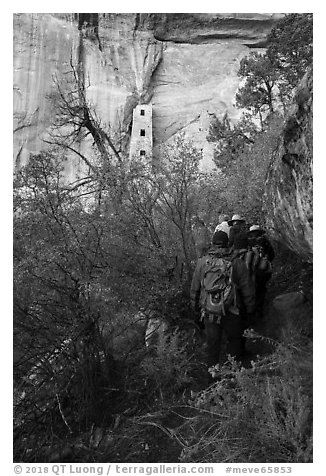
141,143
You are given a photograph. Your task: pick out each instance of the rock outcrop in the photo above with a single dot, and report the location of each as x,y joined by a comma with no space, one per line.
185,64
289,186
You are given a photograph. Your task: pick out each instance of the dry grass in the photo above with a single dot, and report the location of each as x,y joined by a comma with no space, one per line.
260,414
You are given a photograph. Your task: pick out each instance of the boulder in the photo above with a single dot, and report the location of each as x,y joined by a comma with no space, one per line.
288,302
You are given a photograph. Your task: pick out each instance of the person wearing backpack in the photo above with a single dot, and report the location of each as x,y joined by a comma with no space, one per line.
262,262
223,224
224,295
237,225
240,245
257,237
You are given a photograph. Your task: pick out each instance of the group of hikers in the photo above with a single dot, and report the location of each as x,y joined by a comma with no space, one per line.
229,285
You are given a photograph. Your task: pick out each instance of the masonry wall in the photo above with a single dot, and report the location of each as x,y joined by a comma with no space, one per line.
141,143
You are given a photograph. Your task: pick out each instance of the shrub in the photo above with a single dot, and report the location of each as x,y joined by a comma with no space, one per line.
166,370
246,196
260,414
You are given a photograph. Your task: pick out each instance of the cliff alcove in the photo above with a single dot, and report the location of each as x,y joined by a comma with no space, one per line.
185,64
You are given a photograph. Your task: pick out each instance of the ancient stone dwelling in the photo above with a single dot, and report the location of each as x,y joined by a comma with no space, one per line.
141,142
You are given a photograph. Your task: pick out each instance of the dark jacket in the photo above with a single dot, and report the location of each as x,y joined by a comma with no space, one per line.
244,286
235,230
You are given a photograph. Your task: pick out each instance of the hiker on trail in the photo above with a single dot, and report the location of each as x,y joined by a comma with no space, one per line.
240,245
237,225
263,255
223,293
257,237
241,250
223,224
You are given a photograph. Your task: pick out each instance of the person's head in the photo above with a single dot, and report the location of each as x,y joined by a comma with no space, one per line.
220,239
255,231
236,220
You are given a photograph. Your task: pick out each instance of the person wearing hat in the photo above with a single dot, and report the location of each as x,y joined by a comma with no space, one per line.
264,250
237,224
257,237
233,320
223,224
240,246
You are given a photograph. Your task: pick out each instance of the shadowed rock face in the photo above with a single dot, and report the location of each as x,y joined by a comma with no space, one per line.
185,64
289,186
249,28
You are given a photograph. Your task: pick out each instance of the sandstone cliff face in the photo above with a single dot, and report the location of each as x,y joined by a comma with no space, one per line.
185,64
289,192
42,47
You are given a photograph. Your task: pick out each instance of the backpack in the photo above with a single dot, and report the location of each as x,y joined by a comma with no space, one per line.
218,289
